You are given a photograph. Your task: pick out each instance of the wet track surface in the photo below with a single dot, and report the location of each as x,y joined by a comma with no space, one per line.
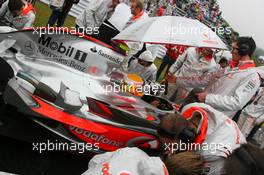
17,156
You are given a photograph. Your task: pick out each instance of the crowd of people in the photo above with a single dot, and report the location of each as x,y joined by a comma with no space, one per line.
221,100
207,11
202,9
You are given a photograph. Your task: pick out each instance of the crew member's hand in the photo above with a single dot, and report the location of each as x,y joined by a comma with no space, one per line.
201,96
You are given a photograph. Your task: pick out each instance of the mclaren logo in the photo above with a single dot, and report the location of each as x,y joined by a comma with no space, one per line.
29,46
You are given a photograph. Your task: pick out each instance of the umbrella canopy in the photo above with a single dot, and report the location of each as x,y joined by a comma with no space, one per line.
172,30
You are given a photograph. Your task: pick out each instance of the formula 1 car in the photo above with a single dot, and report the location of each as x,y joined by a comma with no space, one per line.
86,106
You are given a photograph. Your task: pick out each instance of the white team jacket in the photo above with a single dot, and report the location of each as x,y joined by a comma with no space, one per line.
129,161
228,92
94,14
223,135
189,64
19,22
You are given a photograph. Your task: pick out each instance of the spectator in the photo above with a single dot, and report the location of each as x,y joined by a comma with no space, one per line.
201,16
174,10
60,10
161,11
17,14
261,60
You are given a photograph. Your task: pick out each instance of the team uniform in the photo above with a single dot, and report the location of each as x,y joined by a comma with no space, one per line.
24,20
218,135
228,91
126,161
134,47
121,16
135,18
94,14
253,113
190,63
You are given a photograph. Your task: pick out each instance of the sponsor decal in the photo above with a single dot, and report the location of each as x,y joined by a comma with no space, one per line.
96,137
210,42
53,57
29,46
109,57
250,85
65,50
69,51
80,56
105,169
46,43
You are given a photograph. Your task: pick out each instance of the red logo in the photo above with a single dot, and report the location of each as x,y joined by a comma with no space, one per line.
105,169
124,173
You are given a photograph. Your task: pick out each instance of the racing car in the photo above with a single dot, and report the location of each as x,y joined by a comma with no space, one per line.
83,104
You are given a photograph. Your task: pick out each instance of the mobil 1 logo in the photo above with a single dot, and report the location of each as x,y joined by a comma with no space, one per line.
59,47
80,56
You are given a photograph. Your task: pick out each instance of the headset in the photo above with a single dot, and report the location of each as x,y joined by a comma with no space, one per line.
187,135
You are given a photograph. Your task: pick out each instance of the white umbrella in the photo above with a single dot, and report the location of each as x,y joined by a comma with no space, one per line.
172,30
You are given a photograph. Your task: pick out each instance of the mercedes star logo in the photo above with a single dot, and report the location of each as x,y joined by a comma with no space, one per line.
29,46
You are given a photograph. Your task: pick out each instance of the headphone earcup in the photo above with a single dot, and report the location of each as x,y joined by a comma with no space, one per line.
243,50
187,135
